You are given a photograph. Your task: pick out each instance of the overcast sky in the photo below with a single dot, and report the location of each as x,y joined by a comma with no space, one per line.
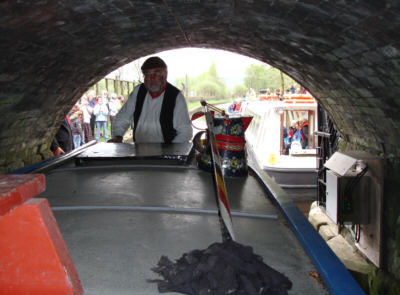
195,61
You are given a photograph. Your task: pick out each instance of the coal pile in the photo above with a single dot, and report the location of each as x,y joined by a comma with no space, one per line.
222,268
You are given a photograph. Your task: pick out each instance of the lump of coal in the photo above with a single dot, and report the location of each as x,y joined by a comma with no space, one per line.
222,268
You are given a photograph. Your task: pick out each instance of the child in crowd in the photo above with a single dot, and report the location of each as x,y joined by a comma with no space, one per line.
101,113
76,126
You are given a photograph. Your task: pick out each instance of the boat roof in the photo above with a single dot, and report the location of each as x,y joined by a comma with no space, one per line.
259,107
118,220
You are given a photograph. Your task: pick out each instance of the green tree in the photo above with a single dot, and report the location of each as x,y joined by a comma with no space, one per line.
239,90
208,88
274,80
260,77
207,84
255,77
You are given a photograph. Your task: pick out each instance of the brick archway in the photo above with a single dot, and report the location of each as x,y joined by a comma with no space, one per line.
346,54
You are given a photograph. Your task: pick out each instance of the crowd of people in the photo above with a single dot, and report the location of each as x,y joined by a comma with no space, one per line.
298,132
278,94
87,120
296,89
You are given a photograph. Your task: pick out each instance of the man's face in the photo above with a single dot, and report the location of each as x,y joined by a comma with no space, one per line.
154,79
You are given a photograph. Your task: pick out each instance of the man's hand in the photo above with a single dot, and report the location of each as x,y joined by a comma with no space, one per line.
116,139
58,151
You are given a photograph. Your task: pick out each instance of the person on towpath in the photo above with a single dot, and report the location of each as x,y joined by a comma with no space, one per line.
156,109
101,113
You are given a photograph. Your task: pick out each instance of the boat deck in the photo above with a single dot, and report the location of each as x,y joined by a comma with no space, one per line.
118,220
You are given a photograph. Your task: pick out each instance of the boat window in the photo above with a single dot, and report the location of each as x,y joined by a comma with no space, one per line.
303,117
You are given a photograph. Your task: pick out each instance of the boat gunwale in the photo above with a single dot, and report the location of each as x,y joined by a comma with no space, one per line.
334,274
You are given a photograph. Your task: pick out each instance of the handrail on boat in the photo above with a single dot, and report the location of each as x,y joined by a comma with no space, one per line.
295,101
322,134
54,161
212,107
336,277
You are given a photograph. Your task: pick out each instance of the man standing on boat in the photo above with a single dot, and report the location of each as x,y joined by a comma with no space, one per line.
157,109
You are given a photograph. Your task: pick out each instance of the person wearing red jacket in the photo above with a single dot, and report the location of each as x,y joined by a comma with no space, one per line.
304,133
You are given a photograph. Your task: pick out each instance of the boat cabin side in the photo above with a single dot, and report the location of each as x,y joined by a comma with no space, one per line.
272,134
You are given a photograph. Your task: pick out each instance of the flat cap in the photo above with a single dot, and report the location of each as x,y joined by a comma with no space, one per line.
152,63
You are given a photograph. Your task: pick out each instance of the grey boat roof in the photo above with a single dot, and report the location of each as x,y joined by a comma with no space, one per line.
118,220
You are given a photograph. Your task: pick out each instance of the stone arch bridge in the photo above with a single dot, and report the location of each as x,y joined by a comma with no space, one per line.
345,52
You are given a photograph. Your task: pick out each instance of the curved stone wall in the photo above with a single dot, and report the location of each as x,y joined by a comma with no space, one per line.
346,53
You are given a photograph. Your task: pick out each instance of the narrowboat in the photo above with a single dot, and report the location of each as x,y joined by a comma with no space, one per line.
290,161
121,207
